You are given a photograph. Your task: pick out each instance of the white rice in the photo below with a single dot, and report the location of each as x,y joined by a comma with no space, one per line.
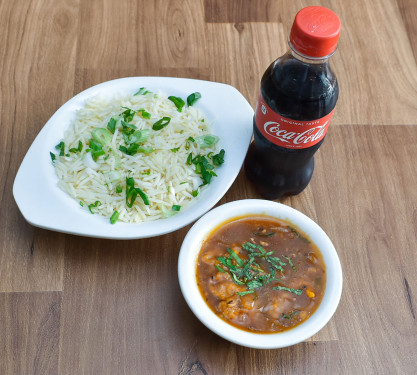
163,175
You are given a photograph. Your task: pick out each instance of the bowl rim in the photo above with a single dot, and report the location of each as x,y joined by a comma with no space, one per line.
187,267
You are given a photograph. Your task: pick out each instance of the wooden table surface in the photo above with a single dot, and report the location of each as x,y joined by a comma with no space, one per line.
76,305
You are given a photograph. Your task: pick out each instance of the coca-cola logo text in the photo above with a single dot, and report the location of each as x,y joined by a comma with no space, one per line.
273,129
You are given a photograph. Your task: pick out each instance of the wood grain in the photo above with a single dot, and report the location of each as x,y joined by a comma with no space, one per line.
72,305
38,49
30,324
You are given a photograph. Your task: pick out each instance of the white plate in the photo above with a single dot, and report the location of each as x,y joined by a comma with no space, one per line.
45,205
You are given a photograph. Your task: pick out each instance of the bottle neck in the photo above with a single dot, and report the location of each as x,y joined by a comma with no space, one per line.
308,59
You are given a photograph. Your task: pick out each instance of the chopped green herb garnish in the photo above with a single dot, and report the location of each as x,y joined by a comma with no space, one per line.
246,292
101,135
145,150
290,315
160,124
128,114
218,159
192,98
93,205
207,140
118,189
302,238
127,129
202,167
176,207
187,143
220,269
134,148
246,271
61,147
114,217
96,149
142,91
175,149
190,159
142,113
53,157
263,233
194,193
143,196
179,103
132,193
292,290
78,149
236,257
140,136
111,125
290,262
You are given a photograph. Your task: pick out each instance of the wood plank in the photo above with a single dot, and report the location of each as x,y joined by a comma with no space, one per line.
376,68
408,9
30,324
38,39
240,11
365,182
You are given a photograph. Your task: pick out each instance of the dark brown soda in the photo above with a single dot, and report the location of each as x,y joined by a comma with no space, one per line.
299,89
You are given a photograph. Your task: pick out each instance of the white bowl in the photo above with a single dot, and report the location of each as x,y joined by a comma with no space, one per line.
187,274
44,205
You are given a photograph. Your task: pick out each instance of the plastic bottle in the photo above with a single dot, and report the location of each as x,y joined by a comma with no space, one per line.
298,94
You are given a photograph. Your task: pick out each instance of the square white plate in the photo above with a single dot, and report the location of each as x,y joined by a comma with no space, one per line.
45,205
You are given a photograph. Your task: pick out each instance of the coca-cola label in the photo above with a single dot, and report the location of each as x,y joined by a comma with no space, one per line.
289,133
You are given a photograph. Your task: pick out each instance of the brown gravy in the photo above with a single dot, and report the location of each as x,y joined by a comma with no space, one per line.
261,274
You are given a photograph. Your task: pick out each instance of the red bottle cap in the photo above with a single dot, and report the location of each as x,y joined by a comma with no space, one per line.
315,31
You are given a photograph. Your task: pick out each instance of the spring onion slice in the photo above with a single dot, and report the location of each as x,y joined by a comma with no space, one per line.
61,147
93,205
142,113
114,217
128,114
102,135
140,136
113,176
111,125
179,103
141,91
218,159
143,196
132,193
192,98
160,124
207,140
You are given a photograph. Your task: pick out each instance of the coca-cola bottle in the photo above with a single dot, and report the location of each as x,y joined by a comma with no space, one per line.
298,94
